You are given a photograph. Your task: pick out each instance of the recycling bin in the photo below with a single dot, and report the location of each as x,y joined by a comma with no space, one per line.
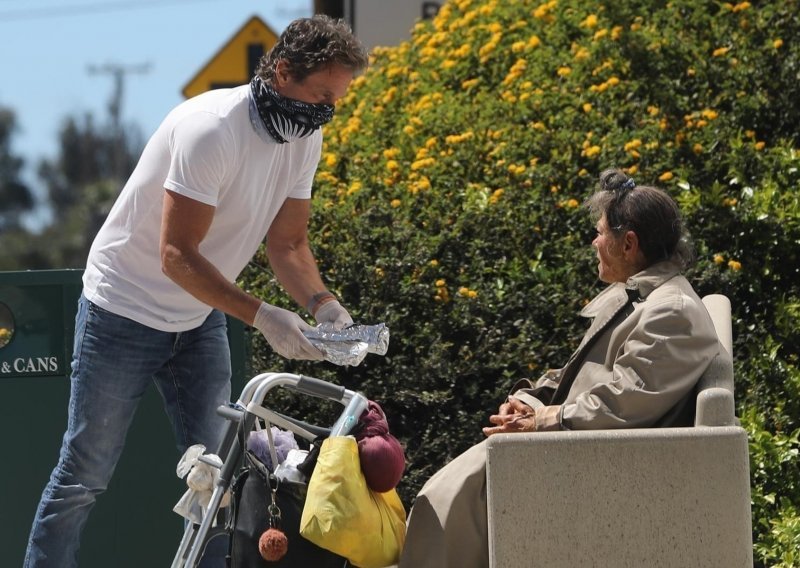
132,524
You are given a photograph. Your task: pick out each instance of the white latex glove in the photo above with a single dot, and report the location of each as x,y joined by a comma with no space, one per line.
284,333
333,312
201,479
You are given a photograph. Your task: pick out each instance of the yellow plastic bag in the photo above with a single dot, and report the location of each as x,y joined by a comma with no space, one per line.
343,515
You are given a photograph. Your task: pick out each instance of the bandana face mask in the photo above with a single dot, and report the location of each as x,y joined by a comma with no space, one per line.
287,119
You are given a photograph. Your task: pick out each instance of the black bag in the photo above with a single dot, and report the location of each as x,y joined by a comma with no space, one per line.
250,518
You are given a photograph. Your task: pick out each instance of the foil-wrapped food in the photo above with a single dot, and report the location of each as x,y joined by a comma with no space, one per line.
349,346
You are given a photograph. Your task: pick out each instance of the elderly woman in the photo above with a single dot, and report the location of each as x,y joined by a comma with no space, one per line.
649,341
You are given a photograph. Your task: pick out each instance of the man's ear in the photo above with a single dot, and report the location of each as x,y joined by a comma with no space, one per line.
281,76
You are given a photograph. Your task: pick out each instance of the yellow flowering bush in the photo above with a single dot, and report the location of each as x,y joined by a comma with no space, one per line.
446,205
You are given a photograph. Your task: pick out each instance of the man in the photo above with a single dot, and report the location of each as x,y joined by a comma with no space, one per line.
223,170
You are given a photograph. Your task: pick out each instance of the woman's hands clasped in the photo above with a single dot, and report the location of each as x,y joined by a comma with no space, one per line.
513,416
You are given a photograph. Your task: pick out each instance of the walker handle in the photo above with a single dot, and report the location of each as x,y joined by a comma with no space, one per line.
320,388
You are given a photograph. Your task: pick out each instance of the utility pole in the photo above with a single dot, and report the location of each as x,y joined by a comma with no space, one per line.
118,73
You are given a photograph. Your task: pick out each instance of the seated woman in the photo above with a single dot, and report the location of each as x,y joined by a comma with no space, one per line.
637,366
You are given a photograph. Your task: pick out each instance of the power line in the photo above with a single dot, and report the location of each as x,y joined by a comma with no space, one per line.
118,72
84,9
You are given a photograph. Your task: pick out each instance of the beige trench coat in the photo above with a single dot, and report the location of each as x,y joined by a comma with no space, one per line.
637,364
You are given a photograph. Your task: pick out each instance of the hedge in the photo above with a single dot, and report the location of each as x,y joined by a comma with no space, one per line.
447,205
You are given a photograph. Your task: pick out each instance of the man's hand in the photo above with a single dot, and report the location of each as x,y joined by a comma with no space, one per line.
513,416
333,312
283,331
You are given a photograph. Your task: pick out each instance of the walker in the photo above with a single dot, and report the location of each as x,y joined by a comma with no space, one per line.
242,418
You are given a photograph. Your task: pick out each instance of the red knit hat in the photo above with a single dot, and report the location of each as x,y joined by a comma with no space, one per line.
381,455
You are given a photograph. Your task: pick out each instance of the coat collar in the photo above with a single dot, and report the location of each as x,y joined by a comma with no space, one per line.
641,283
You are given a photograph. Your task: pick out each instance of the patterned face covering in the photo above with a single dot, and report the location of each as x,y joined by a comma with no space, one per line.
287,119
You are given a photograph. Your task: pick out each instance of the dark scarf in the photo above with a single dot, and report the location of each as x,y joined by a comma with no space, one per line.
287,119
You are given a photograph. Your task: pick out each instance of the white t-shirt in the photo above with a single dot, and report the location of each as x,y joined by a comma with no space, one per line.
206,149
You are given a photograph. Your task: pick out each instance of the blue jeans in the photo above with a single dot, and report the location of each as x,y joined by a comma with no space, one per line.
113,363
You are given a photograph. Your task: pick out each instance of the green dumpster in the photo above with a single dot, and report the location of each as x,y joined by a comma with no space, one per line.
132,524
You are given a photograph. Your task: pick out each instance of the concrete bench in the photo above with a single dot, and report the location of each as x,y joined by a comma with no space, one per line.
671,497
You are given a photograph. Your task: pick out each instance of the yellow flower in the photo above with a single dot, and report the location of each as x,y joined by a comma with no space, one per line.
355,187
720,51
741,6
666,176
589,22
572,203
719,259
457,138
778,43
395,203
440,283
591,151
534,41
390,153
734,265
587,107
495,197
434,262
564,71
600,34
392,165
379,272
709,114
760,146
422,184
419,164
463,291
582,54
697,148
633,144
330,159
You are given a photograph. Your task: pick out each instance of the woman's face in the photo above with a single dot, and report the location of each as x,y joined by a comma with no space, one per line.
612,266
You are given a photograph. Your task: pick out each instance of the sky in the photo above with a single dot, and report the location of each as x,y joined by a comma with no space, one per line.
47,48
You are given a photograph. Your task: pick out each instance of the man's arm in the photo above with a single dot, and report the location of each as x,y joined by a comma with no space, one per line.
290,255
184,225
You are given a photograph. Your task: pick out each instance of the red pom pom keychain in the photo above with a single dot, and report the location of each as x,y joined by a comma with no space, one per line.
273,543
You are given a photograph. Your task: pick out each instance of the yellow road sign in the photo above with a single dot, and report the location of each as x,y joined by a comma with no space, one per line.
234,64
